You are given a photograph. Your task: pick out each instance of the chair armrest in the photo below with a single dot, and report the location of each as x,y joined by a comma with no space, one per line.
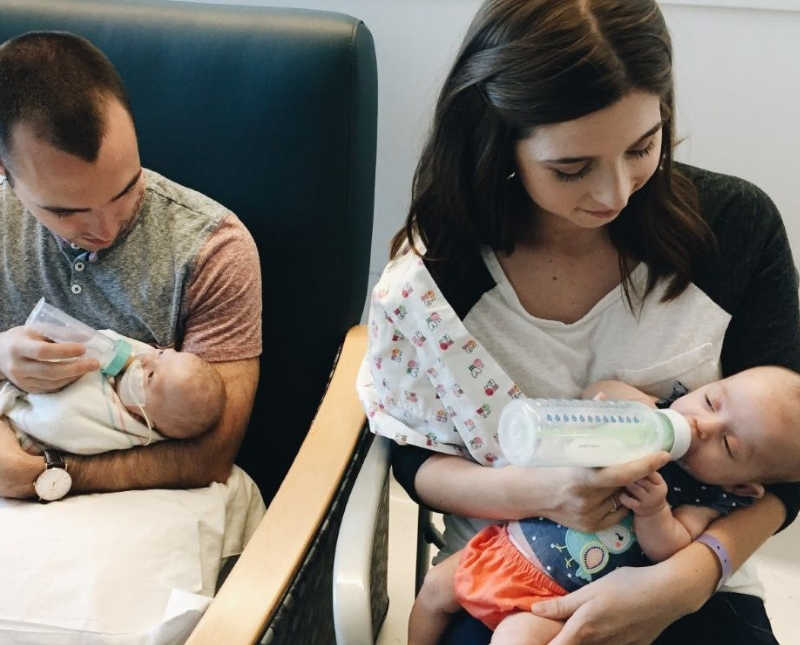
253,590
352,567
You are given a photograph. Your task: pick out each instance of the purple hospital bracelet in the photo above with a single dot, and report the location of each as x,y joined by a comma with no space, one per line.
722,555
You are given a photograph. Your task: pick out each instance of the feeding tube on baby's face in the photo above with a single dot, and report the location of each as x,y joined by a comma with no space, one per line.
580,432
131,385
132,392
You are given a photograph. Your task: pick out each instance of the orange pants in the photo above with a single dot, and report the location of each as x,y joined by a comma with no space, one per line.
495,580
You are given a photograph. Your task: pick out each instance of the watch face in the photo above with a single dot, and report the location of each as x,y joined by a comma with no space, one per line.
52,484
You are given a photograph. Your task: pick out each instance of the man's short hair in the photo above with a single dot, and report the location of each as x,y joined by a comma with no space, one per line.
57,83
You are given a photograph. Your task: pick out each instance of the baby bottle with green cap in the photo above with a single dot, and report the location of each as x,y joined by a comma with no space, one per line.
580,432
60,327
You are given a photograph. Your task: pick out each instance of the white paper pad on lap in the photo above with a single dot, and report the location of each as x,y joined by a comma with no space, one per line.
129,568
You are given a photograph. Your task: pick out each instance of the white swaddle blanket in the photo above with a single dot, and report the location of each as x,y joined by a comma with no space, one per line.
84,418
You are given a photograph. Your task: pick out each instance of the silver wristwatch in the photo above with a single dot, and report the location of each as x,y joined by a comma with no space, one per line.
54,481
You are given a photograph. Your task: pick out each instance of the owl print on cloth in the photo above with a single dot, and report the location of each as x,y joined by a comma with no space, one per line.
574,558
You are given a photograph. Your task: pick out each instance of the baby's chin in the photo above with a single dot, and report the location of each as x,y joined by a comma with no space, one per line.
686,465
686,461
699,475
135,410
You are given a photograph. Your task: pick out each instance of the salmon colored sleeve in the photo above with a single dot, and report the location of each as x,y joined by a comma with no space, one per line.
222,306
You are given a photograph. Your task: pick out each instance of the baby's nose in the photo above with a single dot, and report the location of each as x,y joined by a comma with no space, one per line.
146,358
708,428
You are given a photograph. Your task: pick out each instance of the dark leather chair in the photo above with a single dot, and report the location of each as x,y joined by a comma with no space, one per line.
272,112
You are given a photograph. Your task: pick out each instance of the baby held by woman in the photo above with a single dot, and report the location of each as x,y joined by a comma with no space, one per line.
744,435
160,394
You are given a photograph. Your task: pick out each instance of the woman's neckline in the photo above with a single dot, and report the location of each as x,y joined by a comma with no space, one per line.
638,277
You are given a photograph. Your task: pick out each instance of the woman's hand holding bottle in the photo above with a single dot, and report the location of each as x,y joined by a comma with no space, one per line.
584,499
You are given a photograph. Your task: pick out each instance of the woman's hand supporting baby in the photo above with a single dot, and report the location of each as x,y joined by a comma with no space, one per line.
633,605
630,605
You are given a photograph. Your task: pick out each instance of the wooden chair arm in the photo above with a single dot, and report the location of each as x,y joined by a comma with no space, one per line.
253,590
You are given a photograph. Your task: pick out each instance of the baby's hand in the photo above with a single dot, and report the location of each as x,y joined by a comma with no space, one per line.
646,496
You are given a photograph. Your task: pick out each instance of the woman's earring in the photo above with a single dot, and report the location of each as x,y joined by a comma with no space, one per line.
511,175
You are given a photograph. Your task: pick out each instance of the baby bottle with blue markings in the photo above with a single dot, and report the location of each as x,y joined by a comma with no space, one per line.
60,327
582,432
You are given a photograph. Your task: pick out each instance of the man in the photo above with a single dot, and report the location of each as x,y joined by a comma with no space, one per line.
117,246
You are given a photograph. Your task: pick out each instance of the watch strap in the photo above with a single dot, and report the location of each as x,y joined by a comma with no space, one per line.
53,459
54,475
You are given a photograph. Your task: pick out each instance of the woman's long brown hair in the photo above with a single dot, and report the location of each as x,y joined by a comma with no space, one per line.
526,63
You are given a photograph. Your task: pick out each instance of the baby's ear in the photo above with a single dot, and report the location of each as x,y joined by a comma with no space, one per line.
750,489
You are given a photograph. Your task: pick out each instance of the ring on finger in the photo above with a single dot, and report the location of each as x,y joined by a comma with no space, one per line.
615,503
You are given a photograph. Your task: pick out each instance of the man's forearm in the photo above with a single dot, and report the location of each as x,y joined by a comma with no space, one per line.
166,464
185,463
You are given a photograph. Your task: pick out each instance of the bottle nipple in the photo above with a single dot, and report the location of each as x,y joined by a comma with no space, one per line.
123,353
682,433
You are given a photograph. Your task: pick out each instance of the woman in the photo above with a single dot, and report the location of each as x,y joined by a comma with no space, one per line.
552,242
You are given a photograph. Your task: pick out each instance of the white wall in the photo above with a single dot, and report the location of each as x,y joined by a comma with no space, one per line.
738,90
737,74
